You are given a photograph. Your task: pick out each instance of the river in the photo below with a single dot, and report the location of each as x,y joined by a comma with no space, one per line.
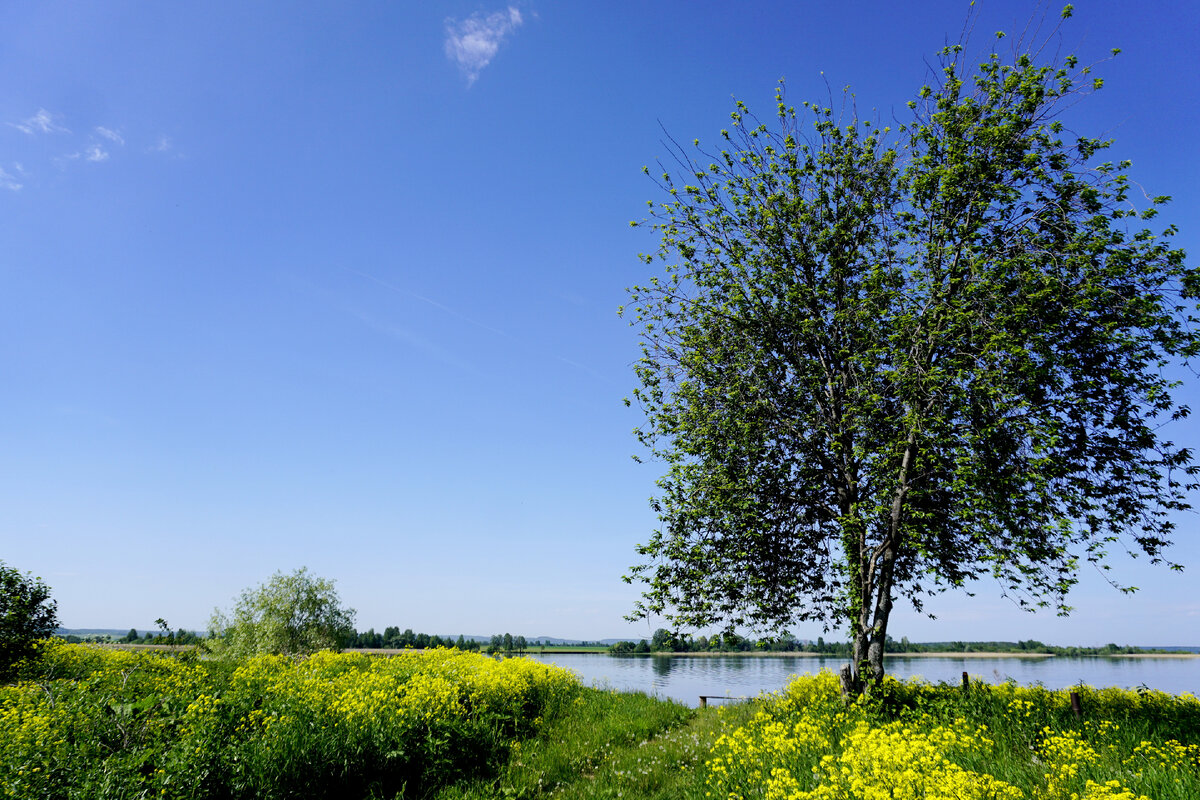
685,678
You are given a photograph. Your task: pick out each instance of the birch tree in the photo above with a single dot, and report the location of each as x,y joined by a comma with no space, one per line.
883,362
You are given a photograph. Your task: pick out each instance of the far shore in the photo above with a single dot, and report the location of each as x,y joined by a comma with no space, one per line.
1019,654
972,654
805,654
536,650
1153,655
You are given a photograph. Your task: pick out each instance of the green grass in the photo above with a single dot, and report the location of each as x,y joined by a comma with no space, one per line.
99,722
912,740
612,745
92,723
628,745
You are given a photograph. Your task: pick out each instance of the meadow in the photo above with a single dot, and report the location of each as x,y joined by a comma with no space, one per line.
90,722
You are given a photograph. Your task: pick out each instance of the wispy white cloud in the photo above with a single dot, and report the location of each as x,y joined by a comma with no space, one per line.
41,122
414,340
10,182
431,302
110,134
94,144
474,42
458,315
95,151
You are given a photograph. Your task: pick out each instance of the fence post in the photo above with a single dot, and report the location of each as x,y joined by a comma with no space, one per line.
1076,706
704,701
966,681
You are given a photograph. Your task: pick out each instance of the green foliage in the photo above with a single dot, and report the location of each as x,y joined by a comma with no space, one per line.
913,740
289,614
100,723
612,744
27,615
393,639
507,644
883,364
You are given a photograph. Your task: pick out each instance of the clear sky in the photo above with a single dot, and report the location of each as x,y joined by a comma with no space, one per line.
335,285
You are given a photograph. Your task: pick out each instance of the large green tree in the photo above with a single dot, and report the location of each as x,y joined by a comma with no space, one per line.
883,363
27,614
291,614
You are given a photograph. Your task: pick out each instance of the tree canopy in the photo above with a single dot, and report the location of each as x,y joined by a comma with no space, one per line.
882,363
291,614
27,614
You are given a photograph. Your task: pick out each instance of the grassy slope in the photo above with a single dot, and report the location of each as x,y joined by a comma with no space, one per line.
613,744
628,745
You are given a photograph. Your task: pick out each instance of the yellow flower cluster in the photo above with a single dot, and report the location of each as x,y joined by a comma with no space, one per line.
897,762
158,725
809,744
1167,755
91,703
1073,758
1065,755
33,735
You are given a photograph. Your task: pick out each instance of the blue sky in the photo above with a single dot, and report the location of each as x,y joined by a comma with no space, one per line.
335,285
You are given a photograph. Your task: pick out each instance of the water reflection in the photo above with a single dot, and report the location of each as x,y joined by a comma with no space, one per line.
685,678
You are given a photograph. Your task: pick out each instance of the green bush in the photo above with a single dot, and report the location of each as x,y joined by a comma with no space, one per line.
115,724
27,615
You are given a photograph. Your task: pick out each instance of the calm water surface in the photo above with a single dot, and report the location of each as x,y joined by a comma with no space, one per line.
685,678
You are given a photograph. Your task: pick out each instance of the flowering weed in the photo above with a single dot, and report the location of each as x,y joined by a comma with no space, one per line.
108,723
915,740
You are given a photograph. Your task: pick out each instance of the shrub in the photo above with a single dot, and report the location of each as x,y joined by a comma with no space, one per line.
27,614
109,723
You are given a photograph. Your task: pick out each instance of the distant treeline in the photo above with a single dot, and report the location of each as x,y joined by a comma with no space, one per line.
166,636
664,641
1026,646
393,639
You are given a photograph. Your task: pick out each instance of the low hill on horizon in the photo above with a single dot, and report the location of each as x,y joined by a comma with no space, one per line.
534,641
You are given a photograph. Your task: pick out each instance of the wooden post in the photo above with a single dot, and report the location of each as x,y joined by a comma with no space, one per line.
1076,706
704,701
966,681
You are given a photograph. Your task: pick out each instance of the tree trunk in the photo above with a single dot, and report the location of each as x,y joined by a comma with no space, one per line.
868,646
873,606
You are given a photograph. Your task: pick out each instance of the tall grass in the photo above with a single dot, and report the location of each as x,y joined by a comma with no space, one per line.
611,744
95,723
910,740
916,740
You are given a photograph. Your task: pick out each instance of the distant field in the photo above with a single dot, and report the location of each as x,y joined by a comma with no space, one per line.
567,648
145,648
533,649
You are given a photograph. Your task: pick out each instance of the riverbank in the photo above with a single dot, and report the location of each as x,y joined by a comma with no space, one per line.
445,725
539,651
685,679
946,654
1151,655
914,740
